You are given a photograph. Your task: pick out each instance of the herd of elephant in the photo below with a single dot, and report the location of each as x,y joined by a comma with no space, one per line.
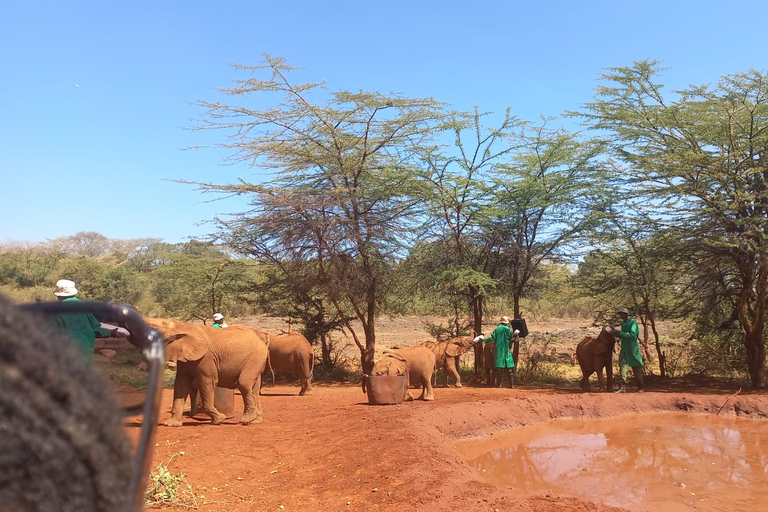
234,358
237,357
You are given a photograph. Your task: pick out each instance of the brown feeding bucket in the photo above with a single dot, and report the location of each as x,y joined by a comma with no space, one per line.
223,400
385,389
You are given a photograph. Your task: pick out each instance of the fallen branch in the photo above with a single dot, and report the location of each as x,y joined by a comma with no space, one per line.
726,401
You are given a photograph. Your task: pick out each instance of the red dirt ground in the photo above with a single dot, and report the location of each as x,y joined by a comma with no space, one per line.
331,451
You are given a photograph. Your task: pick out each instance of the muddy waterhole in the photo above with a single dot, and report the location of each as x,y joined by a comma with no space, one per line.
661,461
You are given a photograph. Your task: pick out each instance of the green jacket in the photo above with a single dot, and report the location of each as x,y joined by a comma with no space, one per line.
630,349
502,356
82,328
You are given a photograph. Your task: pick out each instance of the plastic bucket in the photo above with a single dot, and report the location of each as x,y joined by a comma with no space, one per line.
385,389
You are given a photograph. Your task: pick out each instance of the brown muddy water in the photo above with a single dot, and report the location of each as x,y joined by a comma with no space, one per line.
651,462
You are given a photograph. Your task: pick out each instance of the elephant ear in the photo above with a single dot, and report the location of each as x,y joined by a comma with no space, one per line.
453,349
183,342
186,347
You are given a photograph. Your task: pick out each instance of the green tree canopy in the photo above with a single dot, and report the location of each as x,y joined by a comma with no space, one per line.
697,160
343,191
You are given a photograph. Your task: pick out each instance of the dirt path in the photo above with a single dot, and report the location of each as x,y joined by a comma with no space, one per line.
330,451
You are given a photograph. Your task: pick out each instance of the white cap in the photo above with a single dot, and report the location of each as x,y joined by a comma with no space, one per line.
218,316
65,288
504,320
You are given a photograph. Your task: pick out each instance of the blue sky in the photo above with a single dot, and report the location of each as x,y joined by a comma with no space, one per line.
96,97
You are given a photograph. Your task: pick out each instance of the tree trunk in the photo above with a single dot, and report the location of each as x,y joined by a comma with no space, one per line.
477,322
662,357
755,291
755,348
516,314
326,349
645,321
369,351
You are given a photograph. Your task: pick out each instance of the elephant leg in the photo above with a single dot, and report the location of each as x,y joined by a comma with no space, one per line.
450,364
181,387
251,401
303,385
207,389
609,373
305,377
428,393
407,396
192,399
584,382
599,365
488,376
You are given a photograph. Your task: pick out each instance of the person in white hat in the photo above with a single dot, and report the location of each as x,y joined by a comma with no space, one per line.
83,328
629,355
218,321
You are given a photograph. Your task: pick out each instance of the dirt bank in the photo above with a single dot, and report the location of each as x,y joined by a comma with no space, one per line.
331,451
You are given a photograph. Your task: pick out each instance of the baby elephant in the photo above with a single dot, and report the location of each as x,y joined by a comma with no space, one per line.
594,355
416,363
292,353
447,355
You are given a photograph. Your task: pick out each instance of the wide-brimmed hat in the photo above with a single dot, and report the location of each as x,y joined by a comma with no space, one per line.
65,288
218,316
504,320
623,310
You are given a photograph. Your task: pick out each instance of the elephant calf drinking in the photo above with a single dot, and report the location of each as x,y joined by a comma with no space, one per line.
594,354
416,363
447,355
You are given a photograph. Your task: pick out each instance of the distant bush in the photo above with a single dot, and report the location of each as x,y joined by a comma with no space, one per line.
537,366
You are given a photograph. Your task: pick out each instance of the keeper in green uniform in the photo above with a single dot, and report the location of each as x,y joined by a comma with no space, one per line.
629,355
83,328
502,355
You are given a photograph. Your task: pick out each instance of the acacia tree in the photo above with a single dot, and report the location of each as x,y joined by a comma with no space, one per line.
25,264
701,159
294,289
636,266
543,198
84,243
342,195
197,279
450,252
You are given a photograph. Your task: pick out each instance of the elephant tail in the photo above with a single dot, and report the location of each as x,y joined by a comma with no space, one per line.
311,364
271,370
268,340
365,377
